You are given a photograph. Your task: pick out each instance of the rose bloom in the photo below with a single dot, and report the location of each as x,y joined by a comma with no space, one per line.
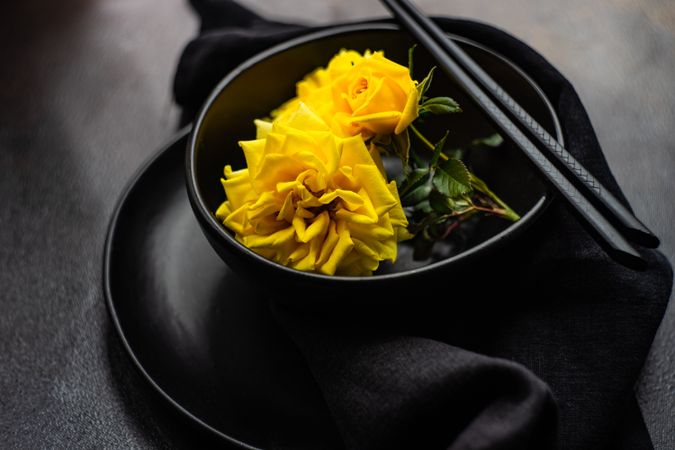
311,200
359,94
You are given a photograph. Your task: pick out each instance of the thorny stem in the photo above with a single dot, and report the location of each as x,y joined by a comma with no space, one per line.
506,212
424,140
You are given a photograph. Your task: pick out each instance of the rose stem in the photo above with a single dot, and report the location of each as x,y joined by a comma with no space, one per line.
426,141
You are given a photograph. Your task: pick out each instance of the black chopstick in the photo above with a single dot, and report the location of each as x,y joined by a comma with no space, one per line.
634,230
613,242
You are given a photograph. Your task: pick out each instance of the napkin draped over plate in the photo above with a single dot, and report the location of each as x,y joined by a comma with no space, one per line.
544,355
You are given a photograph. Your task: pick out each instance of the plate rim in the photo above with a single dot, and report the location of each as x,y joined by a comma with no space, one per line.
127,191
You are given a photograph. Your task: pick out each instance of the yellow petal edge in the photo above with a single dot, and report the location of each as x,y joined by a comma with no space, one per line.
313,200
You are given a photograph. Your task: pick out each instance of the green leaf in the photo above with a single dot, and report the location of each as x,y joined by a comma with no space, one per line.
438,149
422,115
461,204
494,140
411,50
441,105
448,205
424,85
415,179
424,207
439,202
452,178
416,195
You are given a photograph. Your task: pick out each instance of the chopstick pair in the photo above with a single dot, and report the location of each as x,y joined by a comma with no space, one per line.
607,220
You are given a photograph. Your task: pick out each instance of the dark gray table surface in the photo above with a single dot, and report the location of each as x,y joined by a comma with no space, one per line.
85,98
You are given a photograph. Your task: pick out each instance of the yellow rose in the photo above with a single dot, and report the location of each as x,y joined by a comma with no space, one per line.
359,94
311,200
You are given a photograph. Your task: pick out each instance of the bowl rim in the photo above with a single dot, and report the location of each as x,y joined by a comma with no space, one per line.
207,218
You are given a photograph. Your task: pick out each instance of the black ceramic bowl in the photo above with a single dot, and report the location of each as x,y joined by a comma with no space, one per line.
268,79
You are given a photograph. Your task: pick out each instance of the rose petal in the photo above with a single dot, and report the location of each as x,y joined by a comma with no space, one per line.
277,239
351,199
262,128
275,168
238,190
343,246
318,227
253,152
374,184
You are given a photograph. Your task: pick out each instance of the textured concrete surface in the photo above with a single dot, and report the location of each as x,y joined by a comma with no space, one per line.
109,67
620,54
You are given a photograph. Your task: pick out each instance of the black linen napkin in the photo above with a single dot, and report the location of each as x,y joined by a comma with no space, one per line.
544,355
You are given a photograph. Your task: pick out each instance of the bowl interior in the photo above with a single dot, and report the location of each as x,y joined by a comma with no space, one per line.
261,85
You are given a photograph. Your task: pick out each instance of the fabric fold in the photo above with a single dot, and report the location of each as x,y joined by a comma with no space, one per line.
543,354
389,391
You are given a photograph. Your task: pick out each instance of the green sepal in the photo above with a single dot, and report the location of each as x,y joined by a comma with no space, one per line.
439,202
400,146
411,51
438,149
424,85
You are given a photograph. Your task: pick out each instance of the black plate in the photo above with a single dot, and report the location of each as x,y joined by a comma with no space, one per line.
201,336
